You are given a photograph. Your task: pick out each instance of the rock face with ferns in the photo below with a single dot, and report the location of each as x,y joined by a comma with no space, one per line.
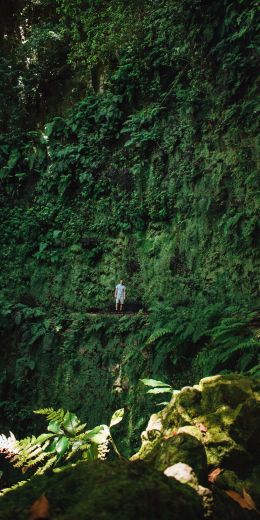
129,149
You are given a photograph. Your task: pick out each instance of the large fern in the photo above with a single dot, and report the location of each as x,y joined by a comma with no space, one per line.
170,336
159,334
234,344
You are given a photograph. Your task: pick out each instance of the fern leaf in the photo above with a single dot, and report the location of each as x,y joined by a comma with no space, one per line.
48,464
51,414
158,334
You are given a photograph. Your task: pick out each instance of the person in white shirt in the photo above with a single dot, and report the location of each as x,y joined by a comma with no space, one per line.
120,294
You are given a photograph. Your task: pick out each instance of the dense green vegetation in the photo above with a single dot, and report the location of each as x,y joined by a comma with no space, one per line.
128,149
66,439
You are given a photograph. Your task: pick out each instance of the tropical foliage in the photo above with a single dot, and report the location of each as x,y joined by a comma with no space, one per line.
66,438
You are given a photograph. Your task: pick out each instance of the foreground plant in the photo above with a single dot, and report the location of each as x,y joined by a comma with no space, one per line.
66,438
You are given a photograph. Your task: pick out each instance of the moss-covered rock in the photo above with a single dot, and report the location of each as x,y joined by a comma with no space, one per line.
105,490
214,424
181,447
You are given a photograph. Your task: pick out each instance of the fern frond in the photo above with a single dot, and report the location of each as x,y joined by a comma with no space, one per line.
76,448
13,487
158,334
48,464
246,359
66,436
37,460
51,414
255,371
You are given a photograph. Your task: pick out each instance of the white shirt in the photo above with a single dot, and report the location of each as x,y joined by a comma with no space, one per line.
120,291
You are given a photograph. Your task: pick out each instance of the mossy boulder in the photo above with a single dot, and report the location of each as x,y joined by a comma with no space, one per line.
213,424
182,447
105,491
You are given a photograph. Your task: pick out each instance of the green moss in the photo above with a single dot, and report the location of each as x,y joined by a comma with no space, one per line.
224,432
106,491
182,448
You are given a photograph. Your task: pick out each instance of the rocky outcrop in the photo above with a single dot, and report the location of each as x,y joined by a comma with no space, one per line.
212,425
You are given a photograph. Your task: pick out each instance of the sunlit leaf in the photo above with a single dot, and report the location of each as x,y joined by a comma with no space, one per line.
70,422
52,447
99,434
91,453
117,417
54,426
154,383
160,390
62,446
42,438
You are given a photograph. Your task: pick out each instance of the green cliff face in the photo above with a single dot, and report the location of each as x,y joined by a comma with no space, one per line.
128,149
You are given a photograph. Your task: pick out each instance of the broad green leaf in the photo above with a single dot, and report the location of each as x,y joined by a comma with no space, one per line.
62,446
52,447
54,426
117,417
70,422
42,438
99,434
91,453
160,390
154,383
